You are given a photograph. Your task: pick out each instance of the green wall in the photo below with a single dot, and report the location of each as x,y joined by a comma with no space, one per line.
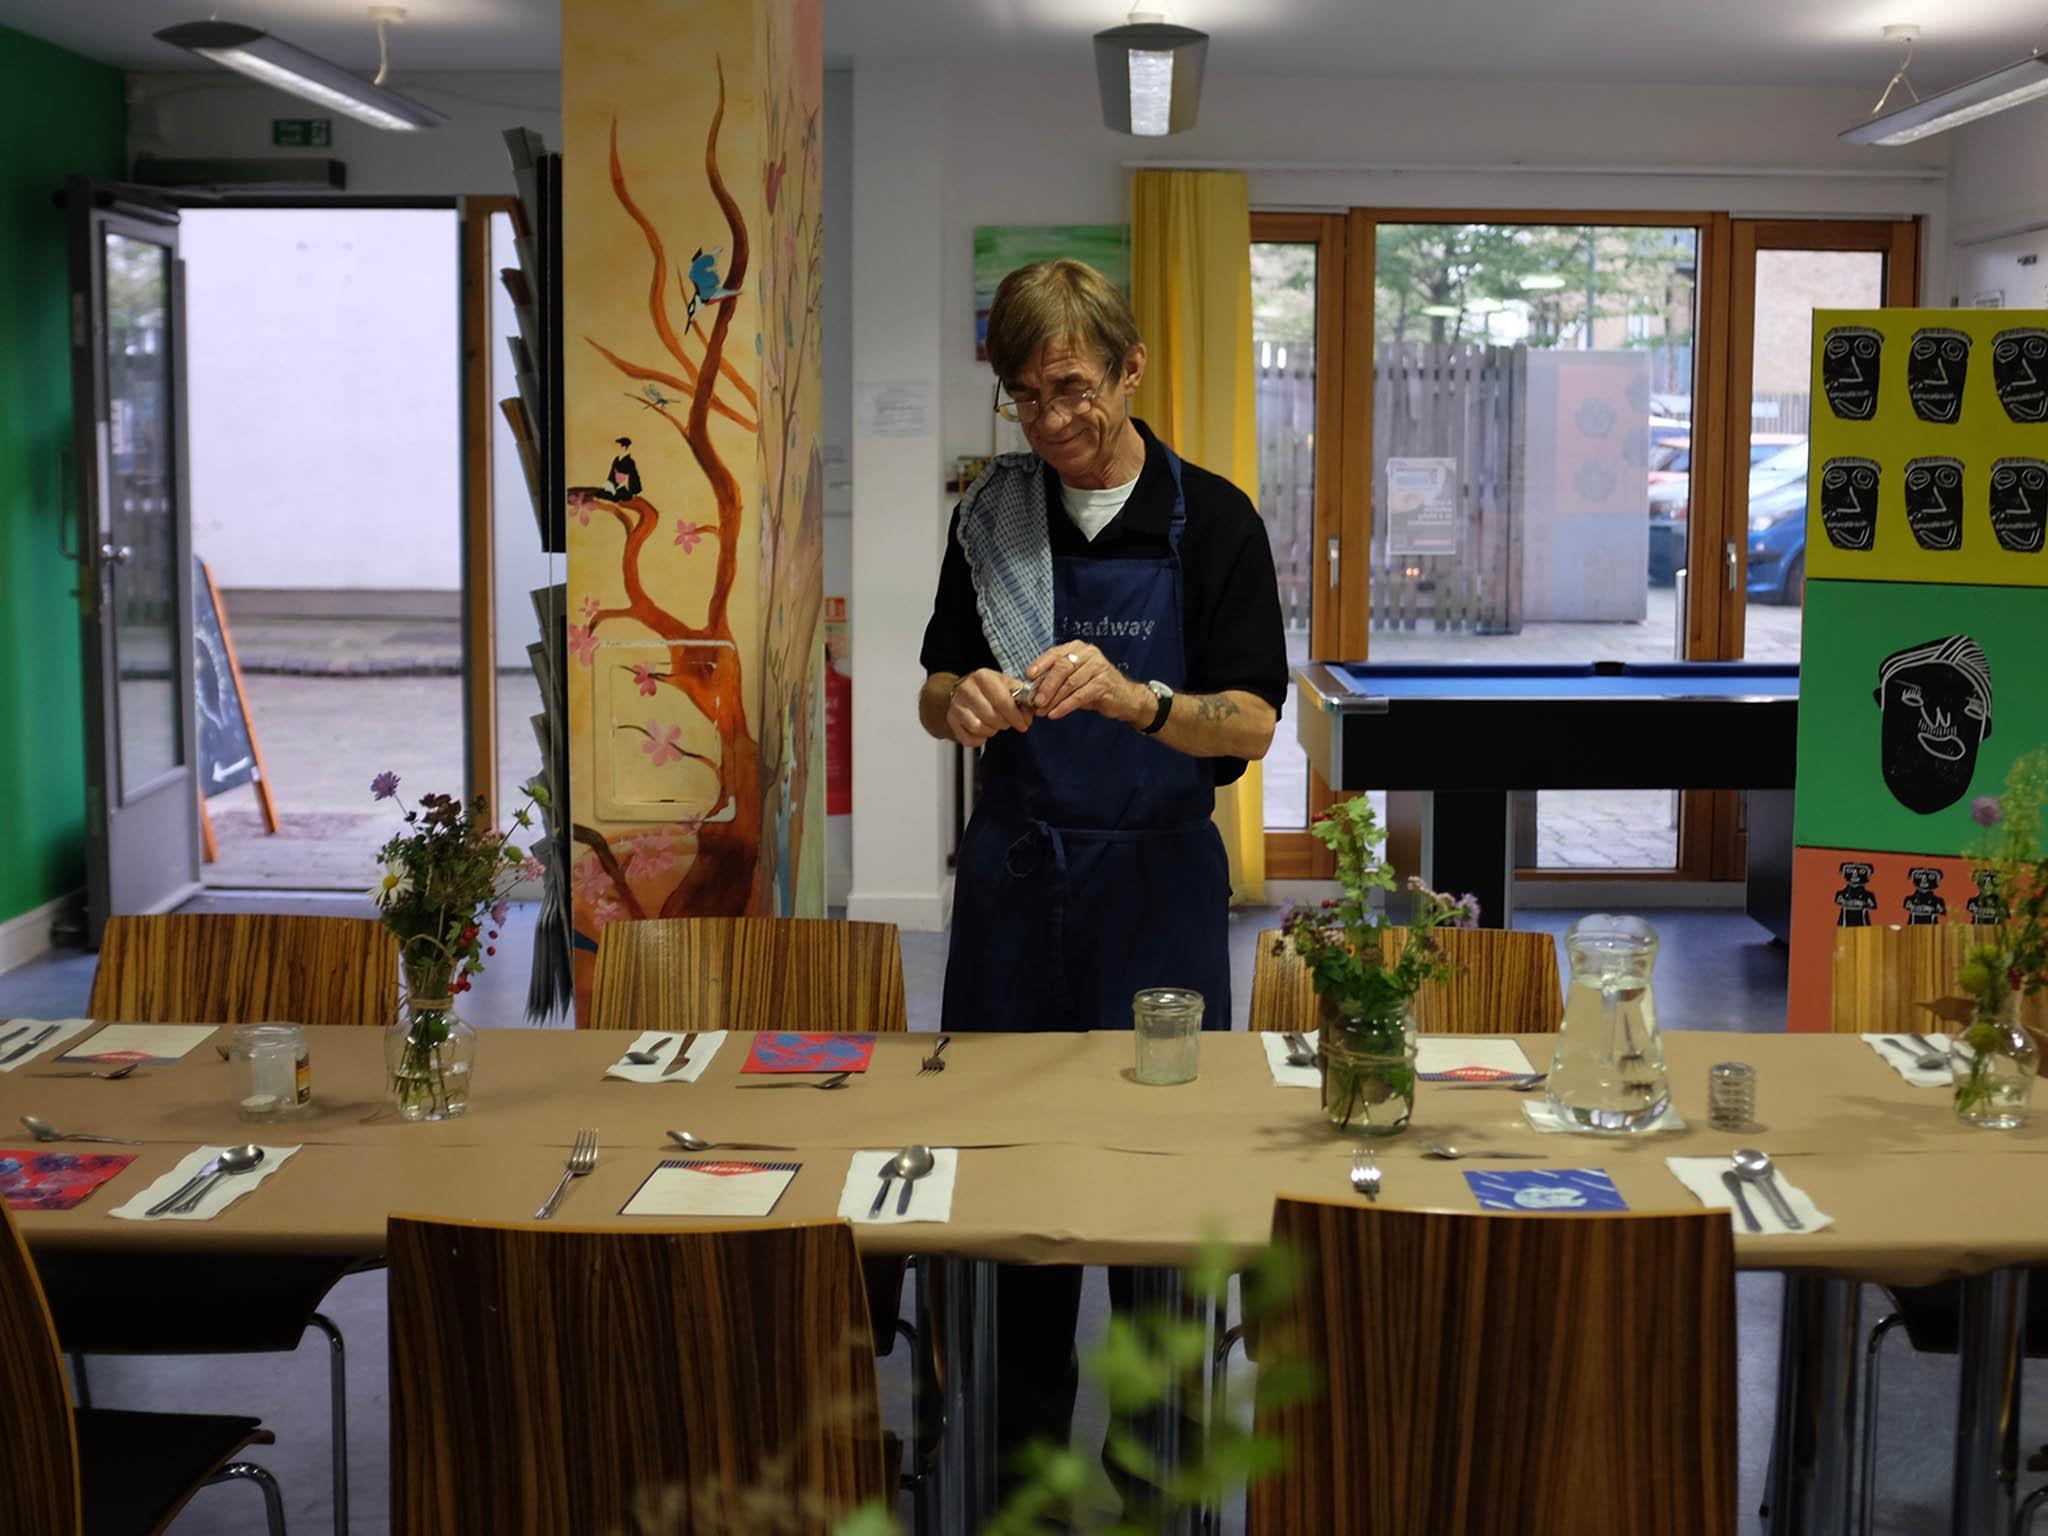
62,113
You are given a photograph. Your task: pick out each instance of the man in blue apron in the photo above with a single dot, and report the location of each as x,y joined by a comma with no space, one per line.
1107,629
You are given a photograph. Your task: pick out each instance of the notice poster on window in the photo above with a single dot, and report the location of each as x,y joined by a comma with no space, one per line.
1422,506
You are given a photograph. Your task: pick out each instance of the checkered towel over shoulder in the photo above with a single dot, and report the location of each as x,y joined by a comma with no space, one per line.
1009,555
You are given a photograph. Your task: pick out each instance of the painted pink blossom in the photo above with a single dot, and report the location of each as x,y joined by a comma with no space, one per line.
583,643
650,862
689,535
590,607
589,880
663,743
645,681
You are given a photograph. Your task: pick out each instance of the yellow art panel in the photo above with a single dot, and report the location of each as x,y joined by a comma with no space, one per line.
1929,447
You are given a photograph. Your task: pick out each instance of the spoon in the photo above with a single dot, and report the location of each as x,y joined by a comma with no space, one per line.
651,1055
1928,1062
243,1159
1451,1154
912,1164
42,1130
1521,1083
1298,1052
233,1161
693,1143
1760,1171
113,1077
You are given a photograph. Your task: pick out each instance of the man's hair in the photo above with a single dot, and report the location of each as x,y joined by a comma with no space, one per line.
1054,300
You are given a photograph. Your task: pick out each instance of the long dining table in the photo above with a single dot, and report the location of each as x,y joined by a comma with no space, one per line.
1065,1158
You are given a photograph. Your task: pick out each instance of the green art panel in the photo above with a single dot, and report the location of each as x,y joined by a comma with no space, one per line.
1000,249
1914,699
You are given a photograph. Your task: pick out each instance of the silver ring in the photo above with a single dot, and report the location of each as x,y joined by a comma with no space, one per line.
1073,658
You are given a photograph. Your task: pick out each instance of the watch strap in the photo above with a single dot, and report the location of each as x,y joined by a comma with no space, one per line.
1159,716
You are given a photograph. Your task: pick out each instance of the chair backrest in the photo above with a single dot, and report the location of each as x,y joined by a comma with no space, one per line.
748,973
554,1379
1505,1373
39,1455
246,968
1882,975
1506,983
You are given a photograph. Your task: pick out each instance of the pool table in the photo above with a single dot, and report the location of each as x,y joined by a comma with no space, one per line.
1470,735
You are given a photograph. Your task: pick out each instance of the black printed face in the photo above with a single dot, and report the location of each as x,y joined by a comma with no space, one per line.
1934,502
2019,504
1934,720
1855,874
1936,365
1848,502
2019,367
1924,880
1849,359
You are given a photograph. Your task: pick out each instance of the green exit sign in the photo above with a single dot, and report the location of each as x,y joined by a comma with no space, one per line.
302,132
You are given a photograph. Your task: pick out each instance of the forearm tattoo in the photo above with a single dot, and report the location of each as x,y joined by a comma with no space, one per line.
1215,706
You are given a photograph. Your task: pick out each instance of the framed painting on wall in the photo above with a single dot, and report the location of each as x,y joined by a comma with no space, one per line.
1000,249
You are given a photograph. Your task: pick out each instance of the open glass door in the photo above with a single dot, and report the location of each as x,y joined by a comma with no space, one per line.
135,553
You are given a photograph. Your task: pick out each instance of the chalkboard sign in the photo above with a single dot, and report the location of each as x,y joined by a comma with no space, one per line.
227,747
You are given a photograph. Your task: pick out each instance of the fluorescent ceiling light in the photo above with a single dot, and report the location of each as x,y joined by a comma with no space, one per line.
1150,74
1541,282
275,62
1959,104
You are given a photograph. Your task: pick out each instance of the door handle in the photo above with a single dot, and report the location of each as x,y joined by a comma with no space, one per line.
115,554
1732,557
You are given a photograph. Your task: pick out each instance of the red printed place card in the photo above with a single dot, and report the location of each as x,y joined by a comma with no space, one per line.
55,1181
788,1052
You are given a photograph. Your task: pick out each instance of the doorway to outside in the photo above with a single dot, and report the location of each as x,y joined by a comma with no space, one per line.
325,391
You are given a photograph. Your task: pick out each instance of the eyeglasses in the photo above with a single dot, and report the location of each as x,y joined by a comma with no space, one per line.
1061,407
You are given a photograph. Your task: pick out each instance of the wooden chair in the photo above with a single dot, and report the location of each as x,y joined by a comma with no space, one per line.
63,1473
246,968
1882,975
1486,1373
748,973
1507,983
239,968
547,1378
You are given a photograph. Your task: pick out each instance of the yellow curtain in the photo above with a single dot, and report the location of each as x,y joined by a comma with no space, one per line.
1191,285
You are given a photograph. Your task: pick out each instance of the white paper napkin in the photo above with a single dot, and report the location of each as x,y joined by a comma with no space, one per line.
702,1049
1893,1057
1433,1053
67,1029
1702,1175
931,1199
1542,1117
224,1193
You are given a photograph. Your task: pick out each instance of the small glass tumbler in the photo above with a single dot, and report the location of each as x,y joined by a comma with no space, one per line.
1731,1096
274,1071
1168,1024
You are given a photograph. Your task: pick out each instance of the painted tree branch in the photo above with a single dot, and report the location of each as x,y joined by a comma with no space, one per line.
685,389
594,840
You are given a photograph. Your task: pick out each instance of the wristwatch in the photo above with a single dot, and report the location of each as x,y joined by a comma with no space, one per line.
1165,697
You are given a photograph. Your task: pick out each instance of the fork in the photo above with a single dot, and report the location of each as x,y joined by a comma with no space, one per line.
1365,1175
582,1158
935,1062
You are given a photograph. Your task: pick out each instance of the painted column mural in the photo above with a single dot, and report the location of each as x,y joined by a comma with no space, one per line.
692,261
1922,674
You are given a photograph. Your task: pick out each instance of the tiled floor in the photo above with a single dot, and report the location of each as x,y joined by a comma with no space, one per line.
1716,971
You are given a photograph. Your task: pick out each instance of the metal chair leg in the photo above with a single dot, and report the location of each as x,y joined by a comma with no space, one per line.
337,1372
1866,1497
1219,1371
2023,1517
273,1500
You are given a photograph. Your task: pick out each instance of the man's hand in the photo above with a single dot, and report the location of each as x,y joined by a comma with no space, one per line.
979,705
1078,676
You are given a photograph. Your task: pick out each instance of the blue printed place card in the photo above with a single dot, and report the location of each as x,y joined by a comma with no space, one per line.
1546,1189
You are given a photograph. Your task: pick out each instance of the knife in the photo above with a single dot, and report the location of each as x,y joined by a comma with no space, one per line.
1733,1184
681,1058
19,1029
20,1051
882,1194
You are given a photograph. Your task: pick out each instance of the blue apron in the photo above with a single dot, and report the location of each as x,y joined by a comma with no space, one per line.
1091,868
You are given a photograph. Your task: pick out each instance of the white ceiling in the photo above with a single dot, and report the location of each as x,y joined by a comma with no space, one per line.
1721,41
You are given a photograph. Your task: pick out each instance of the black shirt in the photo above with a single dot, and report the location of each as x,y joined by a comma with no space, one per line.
1230,599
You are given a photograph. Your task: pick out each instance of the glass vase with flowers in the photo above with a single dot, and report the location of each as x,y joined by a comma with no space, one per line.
1995,1056
1366,1017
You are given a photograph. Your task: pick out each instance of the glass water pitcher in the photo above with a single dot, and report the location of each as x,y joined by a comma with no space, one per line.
1608,1073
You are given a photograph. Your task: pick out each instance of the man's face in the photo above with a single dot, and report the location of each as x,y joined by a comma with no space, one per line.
1933,722
1074,437
2019,504
1849,359
2019,367
1848,502
1936,365
1934,502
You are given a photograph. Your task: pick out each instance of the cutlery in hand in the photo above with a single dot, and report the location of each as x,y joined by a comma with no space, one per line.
175,1200
113,1077
1921,1063
1299,1053
231,1162
1365,1175
935,1062
886,1173
42,1130
1758,1169
30,1047
693,1143
1450,1154
582,1158
681,1058
649,1056
1733,1185
912,1164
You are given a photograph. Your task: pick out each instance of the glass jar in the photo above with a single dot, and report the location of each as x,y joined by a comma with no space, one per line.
1167,1022
1995,1062
1368,1067
428,1052
1608,1073
273,1071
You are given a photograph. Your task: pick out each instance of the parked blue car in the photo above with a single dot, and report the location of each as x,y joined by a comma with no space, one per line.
1777,544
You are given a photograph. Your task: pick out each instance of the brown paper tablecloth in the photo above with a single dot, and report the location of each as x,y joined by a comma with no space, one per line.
1066,1159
